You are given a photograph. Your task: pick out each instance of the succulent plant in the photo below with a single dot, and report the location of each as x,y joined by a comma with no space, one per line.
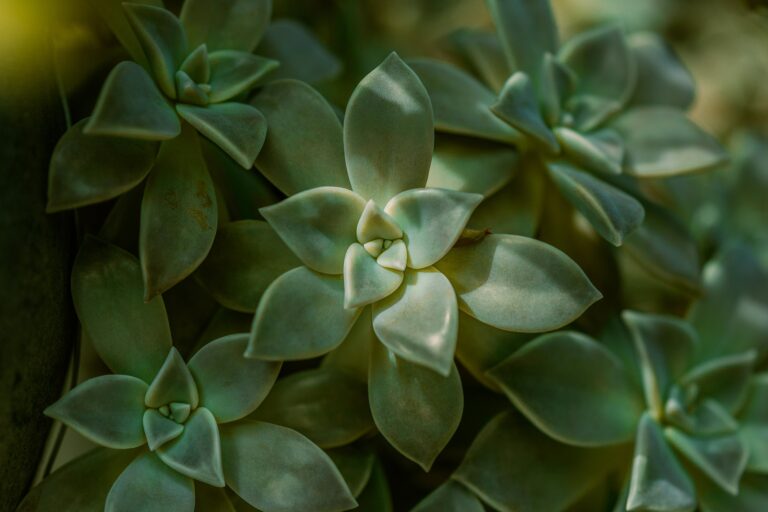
183,422
693,404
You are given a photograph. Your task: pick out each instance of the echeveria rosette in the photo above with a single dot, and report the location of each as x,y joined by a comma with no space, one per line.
593,115
184,80
185,421
691,405
376,275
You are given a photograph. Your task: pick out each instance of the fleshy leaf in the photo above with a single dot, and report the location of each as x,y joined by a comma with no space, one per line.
467,165
518,106
376,223
355,463
163,40
197,65
293,158
556,83
131,336
527,31
563,473
419,322
753,494
414,408
612,212
482,52
159,429
187,91
226,24
658,480
301,315
105,409
276,468
365,281
432,220
606,73
450,497
707,418
394,257
173,383
231,386
318,225
572,388
388,132
246,257
461,103
300,54
662,79
354,352
87,169
754,424
376,496
196,453
661,141
725,379
664,346
130,105
723,458
518,284
325,404
149,485
600,152
234,72
178,215
236,128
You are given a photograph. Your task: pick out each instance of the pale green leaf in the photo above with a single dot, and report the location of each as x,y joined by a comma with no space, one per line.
234,72
600,152
518,106
415,409
159,429
395,257
354,352
725,379
518,284
365,281
226,24
173,383
105,409
301,315
662,79
388,132
150,486
197,65
375,223
130,105
131,336
275,468
318,225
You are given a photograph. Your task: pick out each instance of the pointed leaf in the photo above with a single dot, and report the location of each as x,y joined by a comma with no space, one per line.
376,496
131,336
527,31
518,106
163,40
723,458
612,212
518,284
388,132
236,128
130,105
467,165
664,347
276,468
294,158
178,215
197,452
355,463
87,169
234,72
246,257
482,52
325,404
572,388
106,409
301,315
376,223
159,429
450,497
563,473
725,379
432,220
662,79
113,14
394,257
197,65
754,424
354,352
149,485
414,408
661,141
707,418
231,386
601,152
365,281
226,24
173,383
419,322
461,104
606,71
556,83
658,480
